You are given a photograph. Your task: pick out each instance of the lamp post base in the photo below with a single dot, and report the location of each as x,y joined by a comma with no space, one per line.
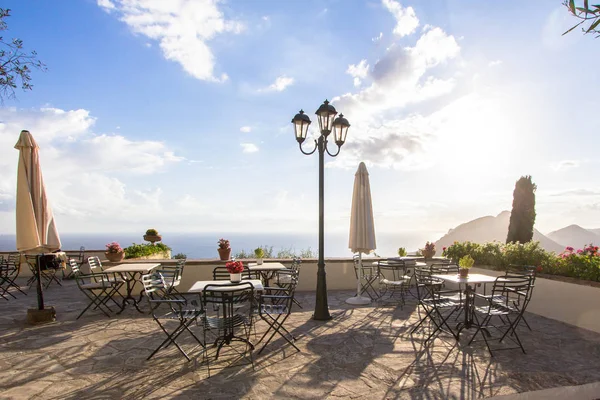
358,300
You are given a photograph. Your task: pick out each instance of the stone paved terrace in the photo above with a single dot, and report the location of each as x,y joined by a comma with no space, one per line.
363,352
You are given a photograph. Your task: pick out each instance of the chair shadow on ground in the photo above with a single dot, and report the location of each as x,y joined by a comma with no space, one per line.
362,352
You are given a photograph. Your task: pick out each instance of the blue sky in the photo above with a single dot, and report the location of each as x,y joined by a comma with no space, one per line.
176,114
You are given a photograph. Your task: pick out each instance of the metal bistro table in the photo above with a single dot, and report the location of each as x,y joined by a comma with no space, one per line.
131,273
228,328
267,271
470,282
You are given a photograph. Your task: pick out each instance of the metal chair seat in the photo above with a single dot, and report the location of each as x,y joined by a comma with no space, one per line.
225,323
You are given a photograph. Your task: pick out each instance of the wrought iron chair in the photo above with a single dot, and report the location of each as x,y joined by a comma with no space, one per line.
48,269
275,307
179,310
96,267
236,302
79,258
508,301
437,305
529,270
394,278
220,273
172,275
369,276
285,280
10,269
97,288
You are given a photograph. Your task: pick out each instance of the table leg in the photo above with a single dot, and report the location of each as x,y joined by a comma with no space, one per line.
466,324
130,280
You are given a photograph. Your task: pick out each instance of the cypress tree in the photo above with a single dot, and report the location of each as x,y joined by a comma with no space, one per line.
522,217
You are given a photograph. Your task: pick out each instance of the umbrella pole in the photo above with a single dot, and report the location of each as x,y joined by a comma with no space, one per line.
358,299
360,274
40,296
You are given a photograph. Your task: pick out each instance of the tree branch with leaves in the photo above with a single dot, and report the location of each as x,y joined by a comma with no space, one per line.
15,63
586,14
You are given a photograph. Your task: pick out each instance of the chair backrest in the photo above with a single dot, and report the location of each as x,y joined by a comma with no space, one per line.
172,274
229,297
95,264
154,286
393,270
530,270
74,267
220,273
444,268
514,288
13,259
427,286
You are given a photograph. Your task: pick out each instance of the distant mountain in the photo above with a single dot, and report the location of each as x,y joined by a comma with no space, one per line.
488,229
575,236
596,231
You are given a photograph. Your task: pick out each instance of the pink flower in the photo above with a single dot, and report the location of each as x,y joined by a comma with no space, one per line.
579,251
570,248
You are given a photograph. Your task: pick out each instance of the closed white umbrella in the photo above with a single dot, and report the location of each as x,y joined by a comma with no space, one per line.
36,228
362,225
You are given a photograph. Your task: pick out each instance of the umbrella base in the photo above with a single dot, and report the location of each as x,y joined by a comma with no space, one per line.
358,300
35,316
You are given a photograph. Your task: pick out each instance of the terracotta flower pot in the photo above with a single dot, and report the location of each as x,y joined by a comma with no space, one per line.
115,257
224,254
428,254
152,238
463,272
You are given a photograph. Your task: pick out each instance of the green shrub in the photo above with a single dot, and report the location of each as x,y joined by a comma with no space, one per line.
402,252
180,256
151,232
581,264
145,249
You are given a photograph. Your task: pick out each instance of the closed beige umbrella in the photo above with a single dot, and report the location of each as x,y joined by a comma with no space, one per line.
362,225
36,229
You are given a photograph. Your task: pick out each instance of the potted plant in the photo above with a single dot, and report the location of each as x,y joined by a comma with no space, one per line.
235,269
428,251
152,236
465,263
402,252
224,249
114,252
260,254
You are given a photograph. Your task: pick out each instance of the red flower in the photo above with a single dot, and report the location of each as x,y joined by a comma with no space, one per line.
538,269
234,267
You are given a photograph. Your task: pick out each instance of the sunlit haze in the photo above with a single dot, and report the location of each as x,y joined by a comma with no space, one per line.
176,114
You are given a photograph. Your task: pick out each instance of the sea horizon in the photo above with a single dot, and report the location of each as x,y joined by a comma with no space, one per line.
204,245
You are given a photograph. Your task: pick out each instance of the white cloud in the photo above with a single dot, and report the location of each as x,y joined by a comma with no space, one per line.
399,77
106,4
249,147
377,38
84,172
358,72
182,28
565,165
494,63
406,19
280,84
246,129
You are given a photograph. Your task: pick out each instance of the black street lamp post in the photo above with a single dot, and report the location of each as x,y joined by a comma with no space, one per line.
340,125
